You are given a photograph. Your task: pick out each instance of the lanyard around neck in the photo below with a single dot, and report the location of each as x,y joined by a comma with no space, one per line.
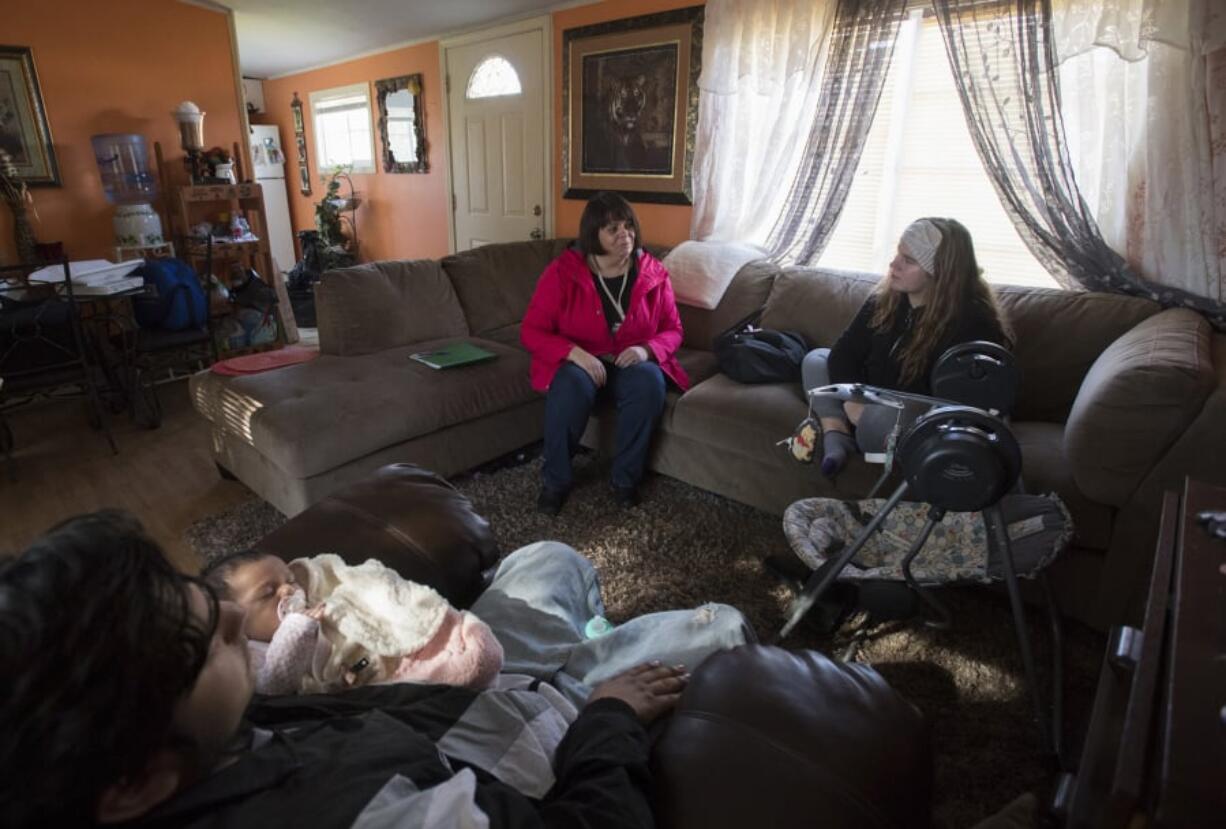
621,290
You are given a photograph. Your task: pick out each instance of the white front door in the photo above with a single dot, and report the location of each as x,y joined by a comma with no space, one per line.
497,137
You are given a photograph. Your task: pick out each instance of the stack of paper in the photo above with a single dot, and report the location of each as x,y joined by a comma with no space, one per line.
94,277
115,286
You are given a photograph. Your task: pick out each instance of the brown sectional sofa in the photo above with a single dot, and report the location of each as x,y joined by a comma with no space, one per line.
1119,399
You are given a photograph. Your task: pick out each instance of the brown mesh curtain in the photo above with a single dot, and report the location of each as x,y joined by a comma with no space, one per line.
1004,67
858,59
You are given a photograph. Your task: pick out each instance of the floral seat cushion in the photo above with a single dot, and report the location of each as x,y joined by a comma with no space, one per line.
1039,528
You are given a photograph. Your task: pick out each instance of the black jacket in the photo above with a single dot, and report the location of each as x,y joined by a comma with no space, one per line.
863,355
329,756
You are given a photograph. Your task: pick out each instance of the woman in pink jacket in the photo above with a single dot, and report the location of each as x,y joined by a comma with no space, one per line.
602,323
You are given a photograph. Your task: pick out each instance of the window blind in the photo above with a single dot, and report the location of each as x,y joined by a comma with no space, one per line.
919,161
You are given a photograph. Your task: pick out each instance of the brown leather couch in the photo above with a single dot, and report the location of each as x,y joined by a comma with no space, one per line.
761,737
1119,400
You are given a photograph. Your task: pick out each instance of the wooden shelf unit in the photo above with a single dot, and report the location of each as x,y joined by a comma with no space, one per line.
202,202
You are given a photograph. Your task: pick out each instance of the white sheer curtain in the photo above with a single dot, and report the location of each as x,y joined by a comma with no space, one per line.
1138,111
761,66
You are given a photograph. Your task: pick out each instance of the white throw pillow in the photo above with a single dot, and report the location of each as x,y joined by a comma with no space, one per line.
701,271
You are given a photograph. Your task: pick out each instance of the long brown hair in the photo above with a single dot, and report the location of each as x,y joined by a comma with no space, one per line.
956,288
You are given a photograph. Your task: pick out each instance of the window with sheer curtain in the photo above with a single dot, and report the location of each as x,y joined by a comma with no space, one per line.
919,160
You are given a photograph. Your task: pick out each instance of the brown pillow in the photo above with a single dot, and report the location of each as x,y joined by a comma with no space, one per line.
746,293
496,282
1141,394
819,303
382,305
1057,336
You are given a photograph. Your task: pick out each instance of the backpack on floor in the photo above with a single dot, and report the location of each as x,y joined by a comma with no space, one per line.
178,303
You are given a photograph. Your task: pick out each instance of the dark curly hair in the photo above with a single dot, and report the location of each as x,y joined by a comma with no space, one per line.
98,643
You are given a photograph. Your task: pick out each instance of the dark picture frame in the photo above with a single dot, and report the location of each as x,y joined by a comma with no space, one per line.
630,106
304,168
413,85
25,133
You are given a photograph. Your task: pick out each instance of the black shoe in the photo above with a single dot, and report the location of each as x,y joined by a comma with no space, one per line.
550,501
626,496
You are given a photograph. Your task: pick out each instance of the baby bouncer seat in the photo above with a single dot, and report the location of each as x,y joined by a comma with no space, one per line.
958,459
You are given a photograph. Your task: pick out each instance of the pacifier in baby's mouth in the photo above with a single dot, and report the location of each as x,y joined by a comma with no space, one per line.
293,603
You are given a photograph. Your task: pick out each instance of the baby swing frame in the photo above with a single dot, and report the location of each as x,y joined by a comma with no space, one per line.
956,459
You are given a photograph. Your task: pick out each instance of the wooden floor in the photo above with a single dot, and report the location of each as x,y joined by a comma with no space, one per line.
164,476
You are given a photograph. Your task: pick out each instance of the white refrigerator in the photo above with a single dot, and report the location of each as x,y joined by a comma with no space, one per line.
268,162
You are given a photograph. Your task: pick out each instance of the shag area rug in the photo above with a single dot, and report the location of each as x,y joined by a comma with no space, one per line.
683,546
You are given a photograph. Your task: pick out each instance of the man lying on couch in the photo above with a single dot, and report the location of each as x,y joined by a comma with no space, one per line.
126,697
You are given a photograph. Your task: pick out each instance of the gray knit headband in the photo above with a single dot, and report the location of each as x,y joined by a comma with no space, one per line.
921,239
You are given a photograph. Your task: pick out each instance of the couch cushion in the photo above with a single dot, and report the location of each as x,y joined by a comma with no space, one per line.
1046,468
736,417
1057,336
750,420
405,516
771,737
746,293
495,282
314,417
699,364
817,302
1140,395
507,335
380,305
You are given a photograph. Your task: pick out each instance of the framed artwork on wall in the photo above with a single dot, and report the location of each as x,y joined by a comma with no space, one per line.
630,106
25,133
304,169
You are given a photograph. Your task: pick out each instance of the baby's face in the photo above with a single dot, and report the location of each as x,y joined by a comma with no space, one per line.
258,587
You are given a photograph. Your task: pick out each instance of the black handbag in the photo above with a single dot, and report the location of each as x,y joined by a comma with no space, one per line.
749,354
253,292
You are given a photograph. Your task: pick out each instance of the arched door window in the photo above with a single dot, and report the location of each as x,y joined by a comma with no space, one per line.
493,77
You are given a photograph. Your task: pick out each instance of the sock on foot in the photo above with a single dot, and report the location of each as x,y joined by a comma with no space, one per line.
837,447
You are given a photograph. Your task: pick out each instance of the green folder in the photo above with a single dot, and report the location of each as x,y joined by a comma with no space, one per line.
456,354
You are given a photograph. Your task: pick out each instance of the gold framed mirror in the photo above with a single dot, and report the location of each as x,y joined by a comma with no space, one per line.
402,126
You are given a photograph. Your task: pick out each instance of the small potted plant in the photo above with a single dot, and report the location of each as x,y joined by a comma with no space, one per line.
330,212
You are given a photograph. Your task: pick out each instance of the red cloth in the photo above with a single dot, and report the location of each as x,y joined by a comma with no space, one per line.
290,355
565,311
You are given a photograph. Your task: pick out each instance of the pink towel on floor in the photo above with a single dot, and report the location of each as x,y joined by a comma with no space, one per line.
290,355
463,652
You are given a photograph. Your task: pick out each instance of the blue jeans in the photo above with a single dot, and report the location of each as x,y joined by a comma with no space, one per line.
638,393
543,595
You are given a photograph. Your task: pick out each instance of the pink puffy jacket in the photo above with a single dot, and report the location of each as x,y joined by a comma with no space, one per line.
565,311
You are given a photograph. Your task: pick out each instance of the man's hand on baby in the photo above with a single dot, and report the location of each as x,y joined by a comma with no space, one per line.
316,612
650,689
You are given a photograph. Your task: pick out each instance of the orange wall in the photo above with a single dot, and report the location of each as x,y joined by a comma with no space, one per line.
403,215
665,224
117,66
